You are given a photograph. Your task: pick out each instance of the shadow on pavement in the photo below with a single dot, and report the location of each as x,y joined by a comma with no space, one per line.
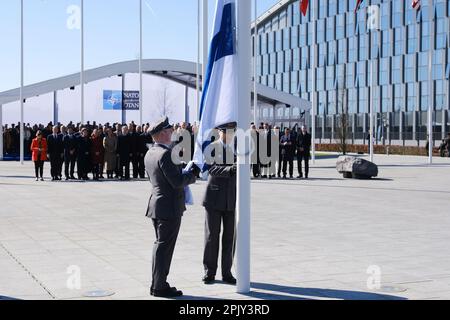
282,292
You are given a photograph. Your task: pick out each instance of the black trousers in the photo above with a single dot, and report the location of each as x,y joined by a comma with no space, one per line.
291,167
214,219
124,165
303,157
141,166
166,232
55,165
69,165
83,167
256,170
39,169
135,163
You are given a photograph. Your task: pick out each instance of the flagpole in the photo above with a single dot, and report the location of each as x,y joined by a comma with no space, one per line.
141,94
204,39
430,79
82,62
243,173
313,93
22,135
255,73
197,82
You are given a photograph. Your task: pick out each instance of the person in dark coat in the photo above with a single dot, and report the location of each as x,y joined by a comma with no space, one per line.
84,155
303,151
97,154
55,153
288,143
220,205
70,154
124,153
144,140
134,148
256,169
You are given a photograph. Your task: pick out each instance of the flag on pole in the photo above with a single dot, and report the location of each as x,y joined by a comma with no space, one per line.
358,5
219,98
416,4
304,6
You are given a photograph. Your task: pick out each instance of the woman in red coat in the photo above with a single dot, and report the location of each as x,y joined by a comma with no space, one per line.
97,153
39,154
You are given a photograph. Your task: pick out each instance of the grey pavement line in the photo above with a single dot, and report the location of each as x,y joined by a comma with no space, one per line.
35,279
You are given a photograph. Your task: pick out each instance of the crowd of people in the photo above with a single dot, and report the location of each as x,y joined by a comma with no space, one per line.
116,148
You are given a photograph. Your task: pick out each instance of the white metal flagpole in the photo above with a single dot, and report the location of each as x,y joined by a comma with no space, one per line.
82,62
244,10
22,135
141,93
197,82
255,73
204,39
371,131
430,79
313,93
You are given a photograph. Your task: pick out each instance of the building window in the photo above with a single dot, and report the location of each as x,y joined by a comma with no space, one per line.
423,66
386,99
399,97
331,105
410,68
303,41
440,94
330,29
350,25
350,76
411,103
397,69
384,71
322,48
363,100
331,53
288,65
375,44
273,63
398,13
320,79
399,41
320,31
342,51
294,37
425,36
294,83
280,62
340,26
330,78
412,38
352,49
363,47
352,101
286,39
342,6
385,15
340,76
441,33
286,82
362,74
279,41
438,64
386,43
296,59
424,96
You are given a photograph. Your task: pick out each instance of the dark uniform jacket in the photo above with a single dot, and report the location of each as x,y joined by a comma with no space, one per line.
167,200
70,144
124,148
55,145
221,190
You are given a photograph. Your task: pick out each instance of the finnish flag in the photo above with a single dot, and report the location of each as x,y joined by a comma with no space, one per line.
219,98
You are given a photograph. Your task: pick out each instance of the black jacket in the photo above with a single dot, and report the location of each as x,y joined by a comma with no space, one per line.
124,147
304,144
221,190
55,145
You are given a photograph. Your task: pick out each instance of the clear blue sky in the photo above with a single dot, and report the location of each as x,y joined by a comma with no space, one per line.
111,30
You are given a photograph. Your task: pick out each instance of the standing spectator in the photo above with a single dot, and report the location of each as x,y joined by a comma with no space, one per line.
118,134
288,151
448,145
39,155
97,154
255,157
70,154
276,133
83,152
142,151
303,151
110,145
55,153
124,153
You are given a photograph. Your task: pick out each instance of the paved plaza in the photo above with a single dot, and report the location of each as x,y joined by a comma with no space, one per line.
325,238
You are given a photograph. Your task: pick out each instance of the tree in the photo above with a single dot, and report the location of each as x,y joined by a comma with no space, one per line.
342,121
163,100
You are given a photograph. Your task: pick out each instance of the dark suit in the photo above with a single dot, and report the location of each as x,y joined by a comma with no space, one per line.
144,139
56,153
220,205
135,150
303,152
83,157
165,208
123,151
70,154
287,153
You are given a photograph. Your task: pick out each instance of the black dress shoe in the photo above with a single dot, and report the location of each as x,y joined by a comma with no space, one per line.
229,280
208,279
167,293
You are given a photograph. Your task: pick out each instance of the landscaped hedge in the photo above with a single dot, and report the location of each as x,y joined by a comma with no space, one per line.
378,149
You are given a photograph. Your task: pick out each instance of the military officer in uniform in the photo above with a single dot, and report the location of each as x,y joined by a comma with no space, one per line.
166,204
220,206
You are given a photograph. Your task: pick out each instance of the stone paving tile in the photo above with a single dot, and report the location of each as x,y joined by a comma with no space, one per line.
310,239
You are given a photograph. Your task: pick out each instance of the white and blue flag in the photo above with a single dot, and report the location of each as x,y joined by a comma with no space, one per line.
219,99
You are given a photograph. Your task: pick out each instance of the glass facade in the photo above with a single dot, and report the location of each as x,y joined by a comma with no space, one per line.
346,51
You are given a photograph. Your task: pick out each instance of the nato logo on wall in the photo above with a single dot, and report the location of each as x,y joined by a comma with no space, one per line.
116,100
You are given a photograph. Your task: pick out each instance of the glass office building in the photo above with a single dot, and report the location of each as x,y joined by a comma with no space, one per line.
398,51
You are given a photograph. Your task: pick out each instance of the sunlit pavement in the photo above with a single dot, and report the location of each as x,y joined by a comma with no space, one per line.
325,238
